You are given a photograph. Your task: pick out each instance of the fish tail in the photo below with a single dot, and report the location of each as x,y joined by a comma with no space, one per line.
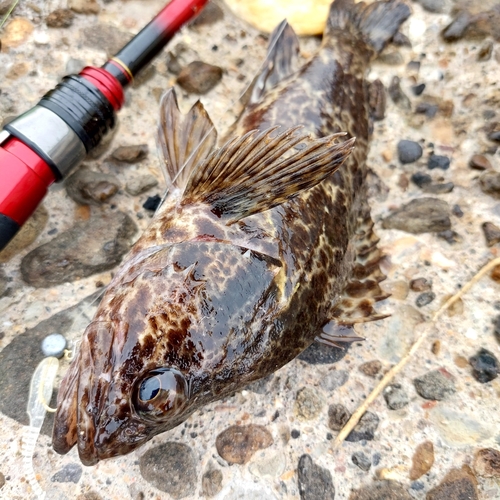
375,23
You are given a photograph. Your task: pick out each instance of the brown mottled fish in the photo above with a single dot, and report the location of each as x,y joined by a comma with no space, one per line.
261,246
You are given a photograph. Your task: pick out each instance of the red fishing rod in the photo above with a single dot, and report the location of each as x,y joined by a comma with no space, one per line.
44,144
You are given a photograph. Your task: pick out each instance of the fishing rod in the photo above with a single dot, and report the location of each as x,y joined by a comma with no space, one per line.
44,144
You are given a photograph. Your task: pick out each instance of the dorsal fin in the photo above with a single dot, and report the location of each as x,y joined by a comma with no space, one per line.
281,61
185,140
262,169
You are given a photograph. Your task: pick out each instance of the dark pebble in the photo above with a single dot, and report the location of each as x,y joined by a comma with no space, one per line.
401,40
434,6
395,397
365,428
89,247
152,203
441,188
409,151
435,385
413,66
91,188
494,136
457,484
484,53
457,211
496,328
457,28
485,366
417,485
70,473
371,368
173,63
238,443
487,463
480,162
490,183
361,460
199,77
60,18
397,95
170,467
418,89
211,483
104,37
450,236
427,109
295,434
381,490
2,477
422,460
421,179
314,481
338,415
376,458
334,379
377,99
210,14
491,233
420,284
421,215
130,154
321,354
438,161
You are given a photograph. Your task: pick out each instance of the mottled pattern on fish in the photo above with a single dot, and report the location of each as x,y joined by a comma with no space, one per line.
229,283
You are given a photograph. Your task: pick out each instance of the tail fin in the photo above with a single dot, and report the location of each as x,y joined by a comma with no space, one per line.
376,23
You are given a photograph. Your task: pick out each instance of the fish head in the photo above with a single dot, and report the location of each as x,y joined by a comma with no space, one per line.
164,331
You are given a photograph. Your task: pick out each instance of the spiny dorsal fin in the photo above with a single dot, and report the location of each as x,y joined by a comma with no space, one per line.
185,140
281,62
261,170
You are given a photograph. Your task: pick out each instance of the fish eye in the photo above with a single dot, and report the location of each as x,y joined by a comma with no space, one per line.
161,392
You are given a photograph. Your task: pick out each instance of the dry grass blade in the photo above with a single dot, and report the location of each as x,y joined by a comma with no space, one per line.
9,12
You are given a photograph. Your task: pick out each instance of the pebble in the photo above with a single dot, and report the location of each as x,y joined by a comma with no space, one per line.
5,5
440,188
490,183
485,366
199,77
421,179
60,18
418,89
4,283
140,184
54,345
314,481
321,354
91,188
211,483
398,289
450,236
496,328
434,6
152,203
480,162
365,428
397,95
409,151
16,33
70,473
210,15
371,368
238,443
491,233
438,161
89,247
381,490
421,215
435,385
401,40
396,397
170,467
487,463
457,211
84,6
361,460
338,415
392,58
334,379
308,404
458,483
130,154
104,37
422,460
485,51
457,28
272,464
427,109
377,100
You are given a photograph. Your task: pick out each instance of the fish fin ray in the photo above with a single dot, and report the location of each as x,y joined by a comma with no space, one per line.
184,140
335,334
263,169
376,23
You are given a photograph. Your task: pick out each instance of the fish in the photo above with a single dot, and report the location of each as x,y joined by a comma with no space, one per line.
263,244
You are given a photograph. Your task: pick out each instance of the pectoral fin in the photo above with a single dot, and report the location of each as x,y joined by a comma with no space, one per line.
334,334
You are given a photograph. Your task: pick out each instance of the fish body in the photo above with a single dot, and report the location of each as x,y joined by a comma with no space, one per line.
260,247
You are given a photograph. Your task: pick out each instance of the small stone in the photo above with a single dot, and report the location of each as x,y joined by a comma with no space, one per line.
371,368
381,490
238,443
16,33
418,89
495,274
308,404
173,64
487,463
104,37
491,233
84,6
338,415
435,385
398,289
421,179
269,464
457,211
485,366
409,151
314,481
421,215
490,183
457,484
361,460
211,483
427,109
70,473
54,345
450,236
441,188
170,467
152,203
130,154
377,100
210,15
321,354
480,162
365,428
88,187
392,58
60,18
140,184
397,95
422,460
438,161
435,6
496,328
199,77
334,379
436,347
2,477
401,40
295,434
4,283
395,397
485,51
457,28
5,6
